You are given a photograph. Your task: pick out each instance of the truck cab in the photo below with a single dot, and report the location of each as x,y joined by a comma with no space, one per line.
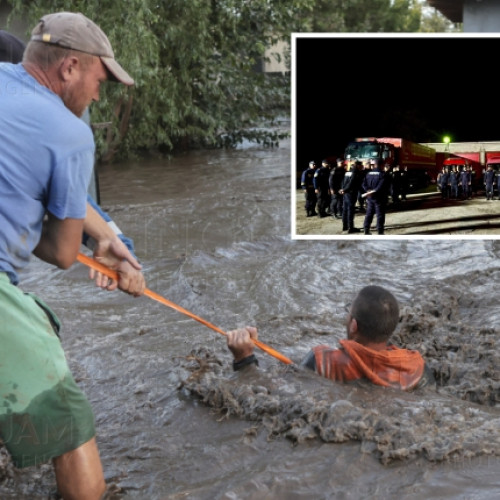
366,150
417,160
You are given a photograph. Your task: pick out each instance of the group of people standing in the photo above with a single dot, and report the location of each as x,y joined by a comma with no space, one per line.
337,190
456,184
460,183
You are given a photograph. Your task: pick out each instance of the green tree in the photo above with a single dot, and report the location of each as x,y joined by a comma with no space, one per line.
434,22
196,63
369,16
195,67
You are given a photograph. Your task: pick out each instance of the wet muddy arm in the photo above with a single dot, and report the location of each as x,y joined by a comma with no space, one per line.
309,361
241,345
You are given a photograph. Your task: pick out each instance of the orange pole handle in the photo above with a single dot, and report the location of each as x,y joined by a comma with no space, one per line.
110,273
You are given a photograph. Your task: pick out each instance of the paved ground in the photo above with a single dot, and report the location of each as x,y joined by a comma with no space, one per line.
421,215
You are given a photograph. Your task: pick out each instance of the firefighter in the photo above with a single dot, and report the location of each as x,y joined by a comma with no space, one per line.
465,182
307,184
444,183
322,188
349,189
396,184
376,198
362,170
405,183
473,182
454,182
335,181
489,178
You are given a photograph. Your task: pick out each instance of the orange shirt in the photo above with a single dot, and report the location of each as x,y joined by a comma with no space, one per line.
391,367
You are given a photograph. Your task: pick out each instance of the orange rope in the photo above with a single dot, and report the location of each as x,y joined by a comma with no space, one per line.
92,263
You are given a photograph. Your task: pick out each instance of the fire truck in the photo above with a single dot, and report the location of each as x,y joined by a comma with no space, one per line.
419,160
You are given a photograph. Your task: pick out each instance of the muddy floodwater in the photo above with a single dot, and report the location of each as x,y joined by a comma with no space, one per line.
212,230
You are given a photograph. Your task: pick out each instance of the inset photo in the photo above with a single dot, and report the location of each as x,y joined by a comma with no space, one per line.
394,136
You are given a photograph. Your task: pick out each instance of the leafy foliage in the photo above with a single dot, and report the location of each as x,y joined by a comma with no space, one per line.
196,63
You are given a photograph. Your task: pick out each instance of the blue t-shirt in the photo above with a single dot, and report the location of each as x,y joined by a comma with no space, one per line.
46,160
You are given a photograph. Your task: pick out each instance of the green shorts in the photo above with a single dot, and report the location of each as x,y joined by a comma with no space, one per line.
43,413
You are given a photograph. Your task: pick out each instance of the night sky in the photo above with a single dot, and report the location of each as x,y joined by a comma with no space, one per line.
418,88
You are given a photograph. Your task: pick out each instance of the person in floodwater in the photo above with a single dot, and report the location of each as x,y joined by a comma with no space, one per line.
365,354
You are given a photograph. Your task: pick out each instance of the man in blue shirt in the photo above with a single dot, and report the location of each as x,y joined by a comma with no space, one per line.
11,50
46,160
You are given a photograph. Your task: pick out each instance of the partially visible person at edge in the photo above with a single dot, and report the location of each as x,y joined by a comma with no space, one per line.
46,161
12,50
335,181
362,170
453,180
497,176
364,354
322,188
489,180
307,185
465,181
444,183
396,184
405,182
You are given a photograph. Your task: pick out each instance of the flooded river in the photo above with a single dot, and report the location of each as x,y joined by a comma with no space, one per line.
212,230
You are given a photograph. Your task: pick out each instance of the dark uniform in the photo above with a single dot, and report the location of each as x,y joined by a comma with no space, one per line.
454,184
361,200
396,184
489,178
322,188
444,184
307,184
349,189
376,201
473,182
405,183
335,181
465,182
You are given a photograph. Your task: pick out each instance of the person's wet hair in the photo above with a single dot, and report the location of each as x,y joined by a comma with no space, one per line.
377,313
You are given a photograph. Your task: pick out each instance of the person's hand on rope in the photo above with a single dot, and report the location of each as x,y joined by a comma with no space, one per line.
112,252
240,342
115,255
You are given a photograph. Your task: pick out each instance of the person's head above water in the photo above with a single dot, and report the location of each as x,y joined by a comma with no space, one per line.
376,313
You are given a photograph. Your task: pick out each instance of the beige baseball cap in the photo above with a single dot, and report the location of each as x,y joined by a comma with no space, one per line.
75,31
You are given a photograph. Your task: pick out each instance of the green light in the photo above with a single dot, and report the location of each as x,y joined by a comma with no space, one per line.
446,139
